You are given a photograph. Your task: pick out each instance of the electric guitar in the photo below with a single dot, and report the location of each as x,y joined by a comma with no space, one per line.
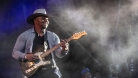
29,68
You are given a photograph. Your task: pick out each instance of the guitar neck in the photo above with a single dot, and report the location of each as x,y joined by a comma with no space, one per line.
54,48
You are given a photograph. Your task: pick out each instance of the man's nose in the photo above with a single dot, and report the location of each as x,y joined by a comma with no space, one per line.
46,20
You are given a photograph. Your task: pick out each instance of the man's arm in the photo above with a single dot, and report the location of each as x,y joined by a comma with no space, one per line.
63,50
19,48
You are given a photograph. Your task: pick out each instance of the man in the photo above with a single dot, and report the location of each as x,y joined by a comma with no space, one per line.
39,39
85,72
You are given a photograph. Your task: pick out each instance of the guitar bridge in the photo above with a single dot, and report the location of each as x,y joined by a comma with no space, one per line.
41,63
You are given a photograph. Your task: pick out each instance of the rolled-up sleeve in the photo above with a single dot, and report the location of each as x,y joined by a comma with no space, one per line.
58,52
19,48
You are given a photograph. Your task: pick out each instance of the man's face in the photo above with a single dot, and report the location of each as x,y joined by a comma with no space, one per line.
41,22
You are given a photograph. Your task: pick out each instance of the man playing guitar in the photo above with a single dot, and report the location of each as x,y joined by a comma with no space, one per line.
31,45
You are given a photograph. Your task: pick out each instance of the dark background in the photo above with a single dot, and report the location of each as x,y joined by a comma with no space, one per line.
109,48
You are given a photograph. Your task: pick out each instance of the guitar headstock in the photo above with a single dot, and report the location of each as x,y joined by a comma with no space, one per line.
78,35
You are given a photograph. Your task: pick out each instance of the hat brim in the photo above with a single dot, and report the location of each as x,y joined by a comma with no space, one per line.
30,19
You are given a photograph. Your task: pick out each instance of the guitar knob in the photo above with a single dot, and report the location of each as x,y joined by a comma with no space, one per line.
53,67
49,62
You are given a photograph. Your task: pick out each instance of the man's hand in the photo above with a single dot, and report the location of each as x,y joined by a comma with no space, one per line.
64,45
31,57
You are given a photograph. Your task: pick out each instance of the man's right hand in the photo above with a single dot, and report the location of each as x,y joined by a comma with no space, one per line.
31,57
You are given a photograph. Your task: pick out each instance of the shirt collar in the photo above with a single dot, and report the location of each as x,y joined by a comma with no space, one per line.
32,30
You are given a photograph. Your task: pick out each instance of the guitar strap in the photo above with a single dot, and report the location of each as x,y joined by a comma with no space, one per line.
46,41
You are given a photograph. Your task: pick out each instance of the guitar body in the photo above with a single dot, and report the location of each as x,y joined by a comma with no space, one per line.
29,68
25,66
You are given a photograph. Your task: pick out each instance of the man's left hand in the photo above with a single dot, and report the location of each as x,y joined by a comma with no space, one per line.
64,45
